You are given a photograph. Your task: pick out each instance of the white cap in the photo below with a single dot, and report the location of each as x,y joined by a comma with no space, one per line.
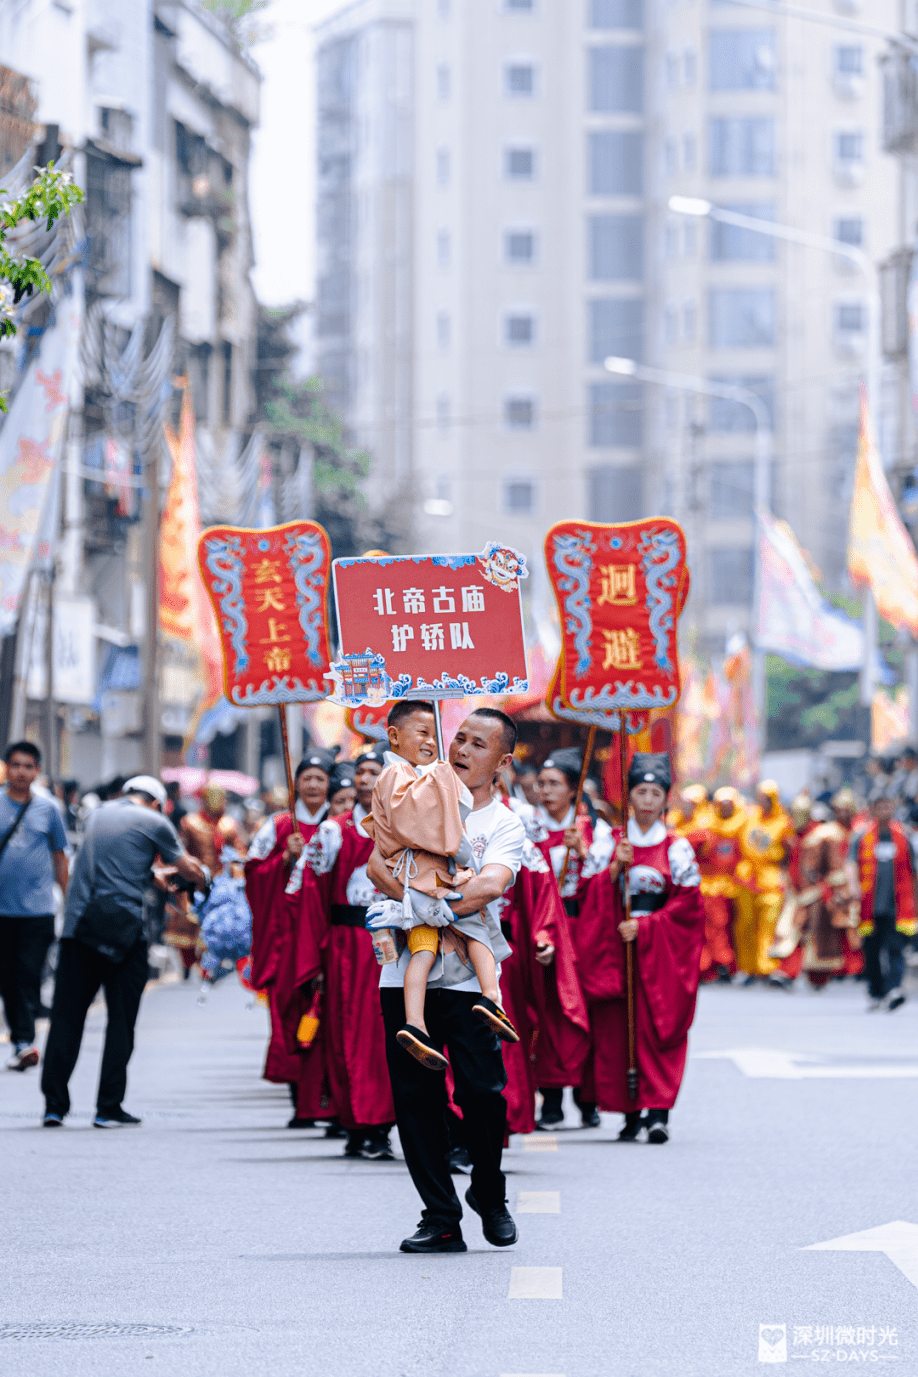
147,784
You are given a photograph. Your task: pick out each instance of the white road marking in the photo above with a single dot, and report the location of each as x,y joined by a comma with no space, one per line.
898,1240
760,1063
538,1202
540,1142
535,1283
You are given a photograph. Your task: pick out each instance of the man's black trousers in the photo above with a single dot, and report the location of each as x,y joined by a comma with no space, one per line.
884,956
81,971
24,944
421,1102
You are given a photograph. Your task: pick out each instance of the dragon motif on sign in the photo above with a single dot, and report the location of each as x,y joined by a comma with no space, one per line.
573,561
226,563
660,557
306,558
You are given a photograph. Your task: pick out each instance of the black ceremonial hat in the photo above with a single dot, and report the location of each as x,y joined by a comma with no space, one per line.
569,761
342,777
378,753
651,769
316,760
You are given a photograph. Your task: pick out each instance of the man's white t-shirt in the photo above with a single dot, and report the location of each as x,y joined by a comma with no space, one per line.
497,837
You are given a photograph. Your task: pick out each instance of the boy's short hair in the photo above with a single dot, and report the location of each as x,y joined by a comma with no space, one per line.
22,748
405,707
508,726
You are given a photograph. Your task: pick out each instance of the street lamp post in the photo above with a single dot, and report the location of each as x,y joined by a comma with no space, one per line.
699,208
686,382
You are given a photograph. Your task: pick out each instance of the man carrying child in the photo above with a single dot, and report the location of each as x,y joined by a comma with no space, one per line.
455,1014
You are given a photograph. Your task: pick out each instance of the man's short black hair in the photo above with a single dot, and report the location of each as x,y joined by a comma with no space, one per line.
22,748
405,707
508,726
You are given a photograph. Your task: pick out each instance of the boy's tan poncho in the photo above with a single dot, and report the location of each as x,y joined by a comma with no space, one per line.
420,813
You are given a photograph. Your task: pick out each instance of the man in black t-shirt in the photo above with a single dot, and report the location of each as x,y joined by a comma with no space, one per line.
104,944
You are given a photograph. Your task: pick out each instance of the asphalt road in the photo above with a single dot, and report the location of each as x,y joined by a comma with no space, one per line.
213,1241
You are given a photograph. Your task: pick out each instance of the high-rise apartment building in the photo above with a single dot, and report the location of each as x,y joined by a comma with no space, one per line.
494,186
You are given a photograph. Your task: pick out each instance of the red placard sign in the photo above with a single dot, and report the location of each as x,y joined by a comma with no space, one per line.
430,626
270,592
620,591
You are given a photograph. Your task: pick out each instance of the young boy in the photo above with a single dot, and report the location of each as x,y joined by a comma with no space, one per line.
419,805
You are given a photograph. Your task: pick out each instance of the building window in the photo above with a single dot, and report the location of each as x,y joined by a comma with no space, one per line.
671,66
519,246
731,490
743,147
519,79
616,327
444,330
690,66
730,243
443,166
850,231
741,318
689,320
850,322
615,14
849,61
443,8
199,380
689,152
742,60
731,577
615,415
615,80
689,239
444,412
616,248
616,494
519,330
616,163
519,496
108,204
519,164
519,413
519,6
849,156
444,81
735,418
444,246
671,238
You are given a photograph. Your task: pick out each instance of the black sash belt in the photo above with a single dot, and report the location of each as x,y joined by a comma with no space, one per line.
647,903
348,916
572,908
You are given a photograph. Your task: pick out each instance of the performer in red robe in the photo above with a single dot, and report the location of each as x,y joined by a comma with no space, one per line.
556,830
288,928
539,983
667,929
355,1046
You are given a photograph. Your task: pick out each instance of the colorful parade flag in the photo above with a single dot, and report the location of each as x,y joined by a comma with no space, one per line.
269,589
620,591
793,618
31,444
889,720
430,626
881,555
185,613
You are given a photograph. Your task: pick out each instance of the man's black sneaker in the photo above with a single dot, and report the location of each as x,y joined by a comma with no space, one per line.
421,1047
377,1148
354,1145
634,1123
497,1225
115,1118
434,1238
657,1131
459,1160
53,1121
589,1116
334,1130
894,1000
297,1122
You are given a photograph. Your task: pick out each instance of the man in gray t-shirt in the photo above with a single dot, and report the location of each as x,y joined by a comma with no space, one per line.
103,943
